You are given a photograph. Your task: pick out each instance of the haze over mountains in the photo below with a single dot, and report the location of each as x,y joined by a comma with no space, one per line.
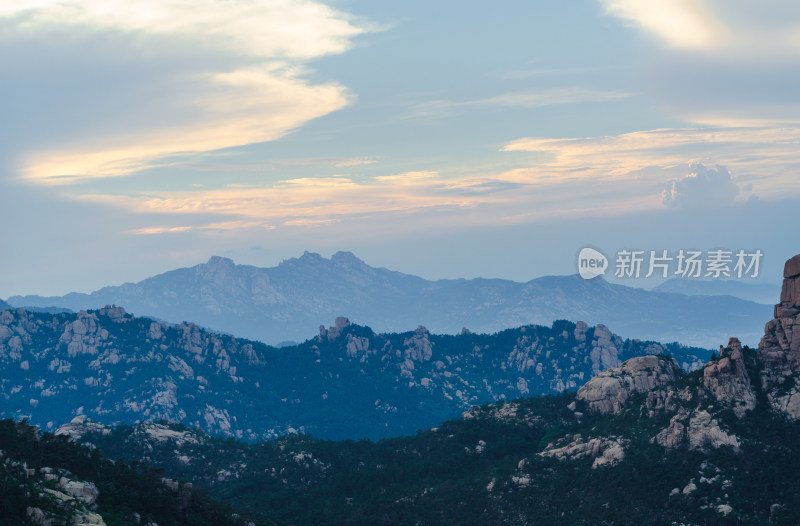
758,292
291,300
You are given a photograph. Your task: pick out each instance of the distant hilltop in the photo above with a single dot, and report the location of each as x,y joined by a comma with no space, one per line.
289,301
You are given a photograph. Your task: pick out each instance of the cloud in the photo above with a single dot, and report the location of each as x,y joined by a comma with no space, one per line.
549,178
131,84
519,99
339,162
724,62
751,28
702,187
681,23
268,28
766,156
407,178
159,230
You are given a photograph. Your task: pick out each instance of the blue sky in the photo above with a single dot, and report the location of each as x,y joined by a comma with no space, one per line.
447,139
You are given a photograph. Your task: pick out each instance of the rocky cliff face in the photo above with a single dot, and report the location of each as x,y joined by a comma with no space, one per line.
730,382
691,403
779,349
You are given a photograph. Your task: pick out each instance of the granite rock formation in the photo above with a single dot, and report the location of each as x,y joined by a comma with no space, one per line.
779,350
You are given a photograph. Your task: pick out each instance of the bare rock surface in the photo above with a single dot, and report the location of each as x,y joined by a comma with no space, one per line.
609,391
727,379
604,451
779,349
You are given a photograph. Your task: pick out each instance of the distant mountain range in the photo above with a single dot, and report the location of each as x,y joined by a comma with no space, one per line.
758,292
288,302
347,382
640,443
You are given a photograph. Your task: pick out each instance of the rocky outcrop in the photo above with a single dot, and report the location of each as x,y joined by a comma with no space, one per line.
605,451
610,391
331,333
85,492
727,380
696,430
605,349
779,350
81,426
418,347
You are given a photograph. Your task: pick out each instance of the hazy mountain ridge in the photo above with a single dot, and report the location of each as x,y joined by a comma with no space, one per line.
348,382
757,292
287,302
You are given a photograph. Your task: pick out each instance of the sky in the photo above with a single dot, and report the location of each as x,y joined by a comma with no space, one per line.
444,139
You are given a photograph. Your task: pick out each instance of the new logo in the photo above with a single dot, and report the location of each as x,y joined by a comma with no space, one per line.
591,263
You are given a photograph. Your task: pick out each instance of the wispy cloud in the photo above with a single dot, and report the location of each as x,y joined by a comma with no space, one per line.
159,230
338,162
408,178
519,99
553,72
234,75
571,177
768,155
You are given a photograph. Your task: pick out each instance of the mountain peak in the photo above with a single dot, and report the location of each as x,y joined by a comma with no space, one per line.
219,261
346,259
310,256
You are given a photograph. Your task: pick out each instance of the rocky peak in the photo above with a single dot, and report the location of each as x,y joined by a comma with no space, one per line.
779,349
114,312
347,259
605,348
727,379
418,347
783,332
609,391
331,333
310,257
217,268
80,428
219,262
